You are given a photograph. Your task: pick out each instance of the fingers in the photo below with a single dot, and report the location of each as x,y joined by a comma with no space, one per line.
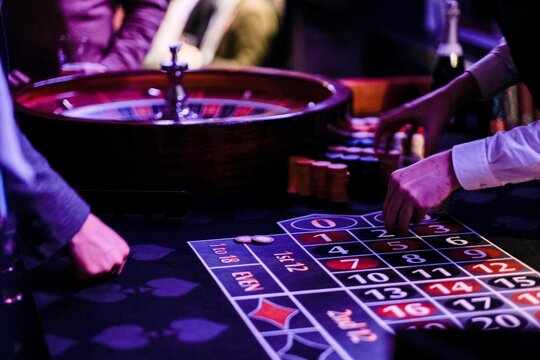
419,215
388,202
398,213
389,142
390,214
407,143
386,129
17,79
404,218
378,135
90,68
108,267
389,126
117,268
386,141
391,207
399,206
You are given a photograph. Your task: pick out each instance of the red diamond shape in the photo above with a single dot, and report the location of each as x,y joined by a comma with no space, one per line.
273,313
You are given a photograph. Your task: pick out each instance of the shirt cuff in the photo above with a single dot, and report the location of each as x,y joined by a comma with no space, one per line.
471,166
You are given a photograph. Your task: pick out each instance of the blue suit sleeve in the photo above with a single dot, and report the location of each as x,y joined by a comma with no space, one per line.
49,212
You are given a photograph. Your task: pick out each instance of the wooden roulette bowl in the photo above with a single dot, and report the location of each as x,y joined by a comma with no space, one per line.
100,131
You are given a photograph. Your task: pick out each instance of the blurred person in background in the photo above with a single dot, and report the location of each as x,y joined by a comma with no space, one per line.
218,32
33,29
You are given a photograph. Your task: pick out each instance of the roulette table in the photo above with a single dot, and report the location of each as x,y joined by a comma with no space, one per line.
328,287
333,284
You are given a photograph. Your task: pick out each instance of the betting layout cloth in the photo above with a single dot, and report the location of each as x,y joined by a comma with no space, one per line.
339,286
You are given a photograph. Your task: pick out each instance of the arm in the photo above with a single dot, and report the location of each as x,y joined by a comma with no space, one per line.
52,216
506,157
49,212
488,76
495,72
431,111
133,39
34,187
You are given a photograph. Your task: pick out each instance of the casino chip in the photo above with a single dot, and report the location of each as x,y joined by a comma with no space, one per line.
262,239
243,239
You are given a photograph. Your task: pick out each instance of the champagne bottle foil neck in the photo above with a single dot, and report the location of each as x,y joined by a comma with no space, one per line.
447,49
452,8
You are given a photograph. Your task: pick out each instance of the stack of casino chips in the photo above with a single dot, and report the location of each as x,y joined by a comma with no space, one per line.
337,183
369,168
293,174
320,179
303,171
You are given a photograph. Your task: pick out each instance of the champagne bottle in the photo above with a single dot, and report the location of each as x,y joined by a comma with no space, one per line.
449,62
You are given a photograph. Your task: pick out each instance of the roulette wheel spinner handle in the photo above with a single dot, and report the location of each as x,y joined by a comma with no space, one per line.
175,94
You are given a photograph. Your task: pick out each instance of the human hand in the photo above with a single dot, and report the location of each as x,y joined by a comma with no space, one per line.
89,68
415,189
82,68
431,111
17,79
97,250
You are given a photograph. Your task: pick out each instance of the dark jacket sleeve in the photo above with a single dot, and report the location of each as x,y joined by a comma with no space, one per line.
132,42
49,212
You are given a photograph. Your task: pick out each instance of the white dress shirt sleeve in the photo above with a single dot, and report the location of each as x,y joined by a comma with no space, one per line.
506,157
496,71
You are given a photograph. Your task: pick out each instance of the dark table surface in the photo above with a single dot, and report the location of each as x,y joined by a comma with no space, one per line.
165,305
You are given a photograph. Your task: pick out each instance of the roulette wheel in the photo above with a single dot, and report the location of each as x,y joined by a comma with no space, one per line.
109,131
